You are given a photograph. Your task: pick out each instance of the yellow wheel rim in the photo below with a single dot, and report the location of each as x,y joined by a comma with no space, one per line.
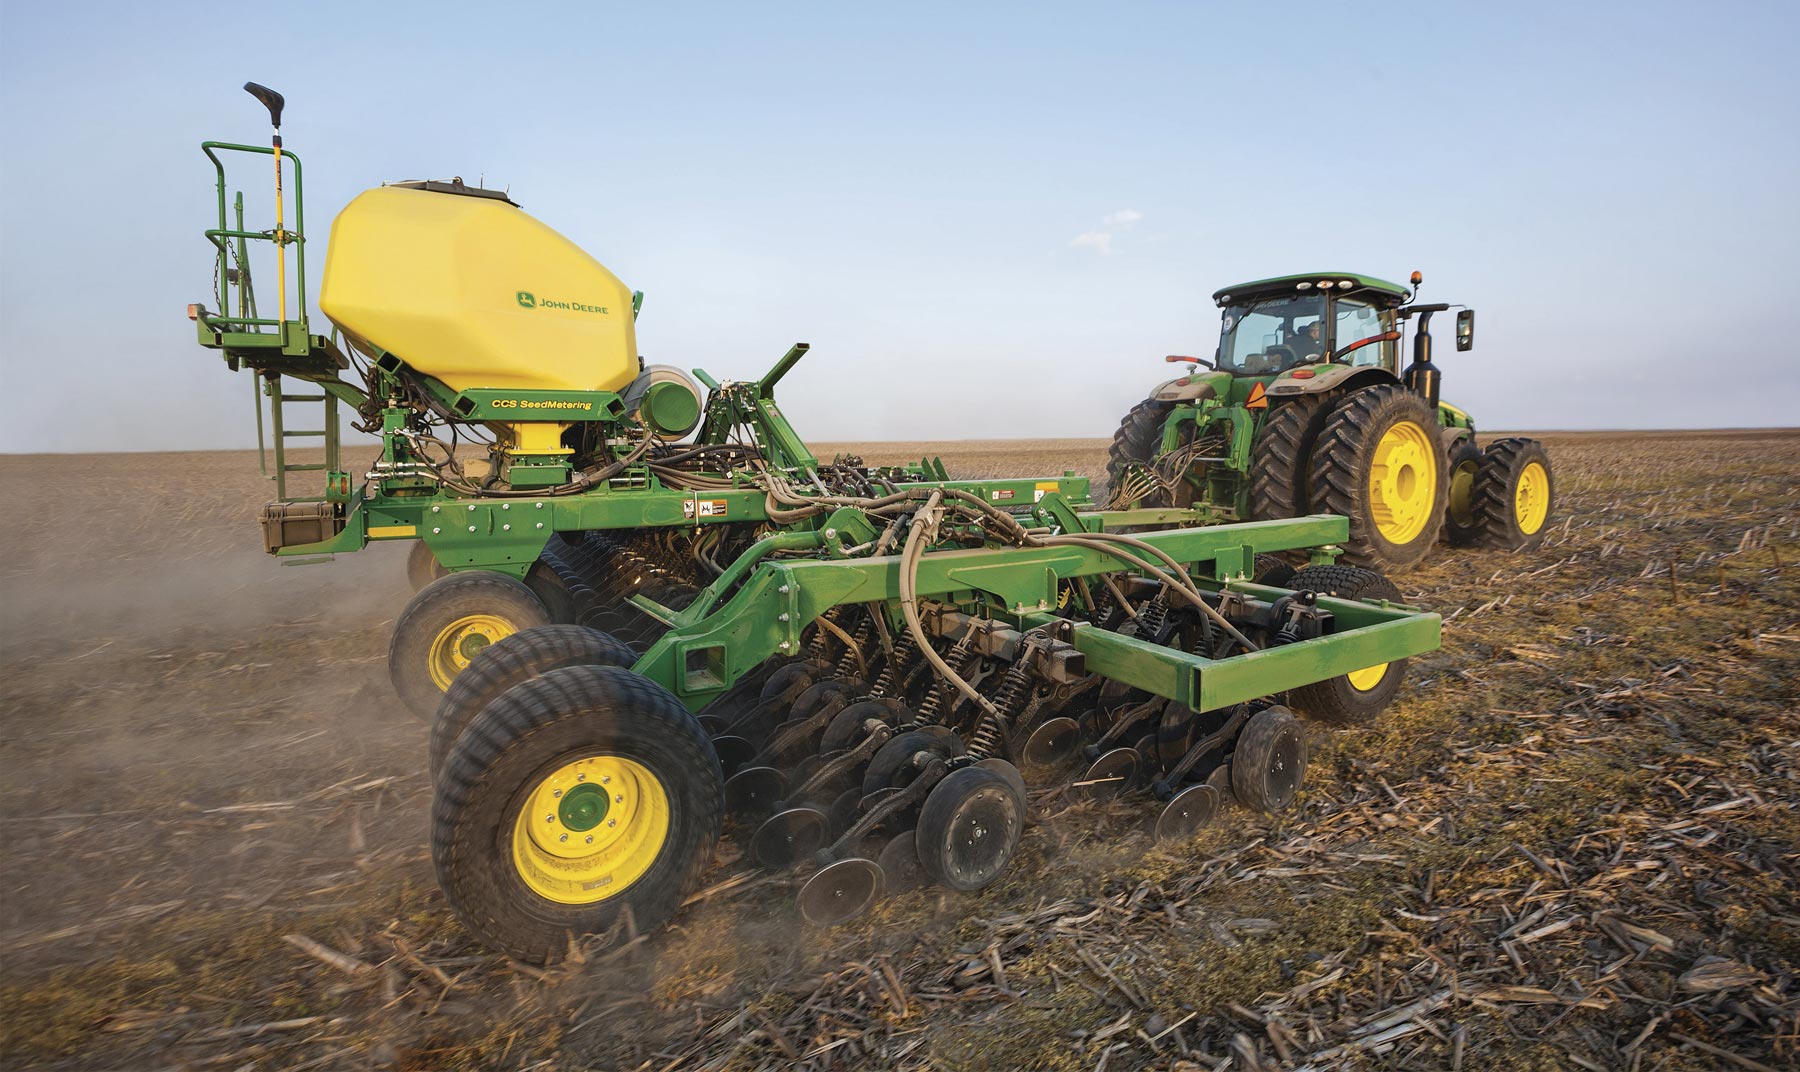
1531,499
459,642
1462,493
1365,679
590,829
1403,482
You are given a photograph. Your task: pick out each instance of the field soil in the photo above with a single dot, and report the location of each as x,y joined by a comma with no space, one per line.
1571,843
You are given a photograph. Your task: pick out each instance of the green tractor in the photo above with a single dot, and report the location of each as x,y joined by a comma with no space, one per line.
1304,409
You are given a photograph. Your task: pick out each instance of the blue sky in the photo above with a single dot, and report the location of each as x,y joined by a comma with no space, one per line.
988,221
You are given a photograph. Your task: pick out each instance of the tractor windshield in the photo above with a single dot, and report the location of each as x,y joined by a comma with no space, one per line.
1261,338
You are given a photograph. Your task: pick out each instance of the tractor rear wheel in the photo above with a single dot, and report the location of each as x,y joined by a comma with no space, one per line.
1460,527
576,799
1137,441
513,661
1279,456
1514,494
1352,699
447,624
1379,464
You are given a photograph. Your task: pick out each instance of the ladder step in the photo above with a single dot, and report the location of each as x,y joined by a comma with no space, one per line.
302,433
302,398
303,468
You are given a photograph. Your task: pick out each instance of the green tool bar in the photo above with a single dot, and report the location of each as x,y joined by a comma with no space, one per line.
1209,684
765,617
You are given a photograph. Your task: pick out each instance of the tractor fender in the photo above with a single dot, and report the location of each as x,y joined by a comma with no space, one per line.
1187,388
1327,378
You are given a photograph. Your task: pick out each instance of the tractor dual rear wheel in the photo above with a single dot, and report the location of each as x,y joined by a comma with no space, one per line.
447,624
1378,462
1279,481
1460,469
580,798
1513,495
1137,441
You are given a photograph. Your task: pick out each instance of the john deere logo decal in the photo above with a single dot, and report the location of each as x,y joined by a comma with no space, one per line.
528,300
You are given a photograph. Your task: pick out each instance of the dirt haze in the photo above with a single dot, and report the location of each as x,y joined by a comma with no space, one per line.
1588,793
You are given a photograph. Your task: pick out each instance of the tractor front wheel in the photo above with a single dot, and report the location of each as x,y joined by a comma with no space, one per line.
1378,462
1514,494
579,799
448,623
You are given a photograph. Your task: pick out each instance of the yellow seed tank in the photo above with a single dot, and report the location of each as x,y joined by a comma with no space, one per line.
465,287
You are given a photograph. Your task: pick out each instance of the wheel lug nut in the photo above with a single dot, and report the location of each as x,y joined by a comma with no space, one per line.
590,839
558,793
619,798
581,777
549,818
565,837
612,822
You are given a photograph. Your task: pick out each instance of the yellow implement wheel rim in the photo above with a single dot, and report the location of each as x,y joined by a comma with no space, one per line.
1403,482
589,829
1367,678
1531,499
459,642
1462,493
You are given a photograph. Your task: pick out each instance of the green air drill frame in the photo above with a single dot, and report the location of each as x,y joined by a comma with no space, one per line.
758,608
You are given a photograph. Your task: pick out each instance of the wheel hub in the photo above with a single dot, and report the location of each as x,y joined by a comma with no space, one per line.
458,643
1531,499
1403,482
590,828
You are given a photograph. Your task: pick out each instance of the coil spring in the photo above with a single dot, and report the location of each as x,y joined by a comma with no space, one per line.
847,665
990,731
1151,617
958,657
894,670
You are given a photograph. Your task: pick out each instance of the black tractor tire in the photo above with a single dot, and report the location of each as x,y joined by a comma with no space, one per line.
1281,455
1344,479
1136,441
1348,699
1461,469
517,747
422,567
447,624
1504,512
510,662
1268,765
551,592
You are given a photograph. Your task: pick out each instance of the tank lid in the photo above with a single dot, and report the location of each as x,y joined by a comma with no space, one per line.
453,186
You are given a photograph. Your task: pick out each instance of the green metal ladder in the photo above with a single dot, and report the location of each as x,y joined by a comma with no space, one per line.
269,384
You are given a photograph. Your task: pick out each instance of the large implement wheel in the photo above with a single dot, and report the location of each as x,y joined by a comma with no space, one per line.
1353,699
1278,458
1460,469
1136,441
512,661
1379,464
1514,494
447,624
574,799
422,567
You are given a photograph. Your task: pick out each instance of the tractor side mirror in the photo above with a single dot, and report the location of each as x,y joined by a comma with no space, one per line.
1465,329
271,100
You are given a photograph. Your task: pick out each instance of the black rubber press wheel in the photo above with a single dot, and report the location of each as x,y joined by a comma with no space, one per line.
969,828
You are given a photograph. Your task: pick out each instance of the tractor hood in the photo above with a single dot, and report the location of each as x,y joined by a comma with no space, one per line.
1196,385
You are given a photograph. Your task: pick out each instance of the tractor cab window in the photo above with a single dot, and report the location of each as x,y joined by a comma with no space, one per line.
1361,335
1261,338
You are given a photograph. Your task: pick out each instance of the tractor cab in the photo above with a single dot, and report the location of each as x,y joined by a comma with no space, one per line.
1273,325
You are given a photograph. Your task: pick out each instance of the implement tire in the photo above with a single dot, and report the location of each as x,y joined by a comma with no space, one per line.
513,661
1280,456
1461,525
422,567
580,798
1353,699
1378,462
1514,495
447,624
1137,440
